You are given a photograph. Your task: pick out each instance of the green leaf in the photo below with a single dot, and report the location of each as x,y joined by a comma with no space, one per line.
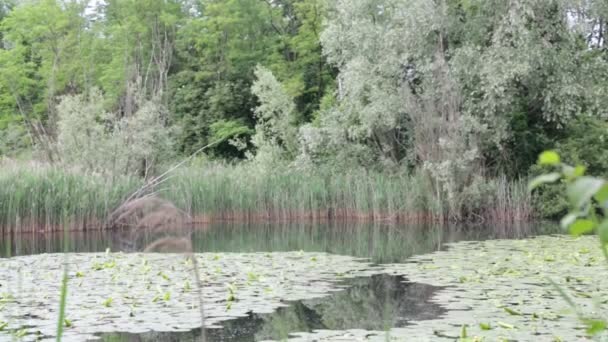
602,195
549,158
463,331
567,220
108,302
573,172
602,231
543,179
583,189
512,312
595,326
226,129
579,171
505,325
581,227
485,326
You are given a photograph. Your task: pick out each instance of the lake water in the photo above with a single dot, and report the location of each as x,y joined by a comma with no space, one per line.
379,302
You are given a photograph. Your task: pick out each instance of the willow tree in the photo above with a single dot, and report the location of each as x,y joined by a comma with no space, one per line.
457,86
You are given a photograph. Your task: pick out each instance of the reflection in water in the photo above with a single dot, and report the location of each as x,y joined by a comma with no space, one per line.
381,243
376,303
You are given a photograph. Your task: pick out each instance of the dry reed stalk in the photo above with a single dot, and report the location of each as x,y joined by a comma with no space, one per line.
154,182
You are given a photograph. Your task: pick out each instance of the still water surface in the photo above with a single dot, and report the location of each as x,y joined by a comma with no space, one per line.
375,303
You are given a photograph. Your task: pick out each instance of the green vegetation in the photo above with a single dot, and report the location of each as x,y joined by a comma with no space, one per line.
588,200
498,289
150,302
38,197
404,109
501,290
42,198
244,192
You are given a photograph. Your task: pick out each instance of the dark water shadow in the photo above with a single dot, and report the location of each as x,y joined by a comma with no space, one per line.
376,303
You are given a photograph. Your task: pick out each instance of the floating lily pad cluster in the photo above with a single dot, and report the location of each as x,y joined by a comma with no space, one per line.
501,290
138,293
492,290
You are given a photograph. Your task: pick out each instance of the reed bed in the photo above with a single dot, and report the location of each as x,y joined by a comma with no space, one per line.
227,192
43,198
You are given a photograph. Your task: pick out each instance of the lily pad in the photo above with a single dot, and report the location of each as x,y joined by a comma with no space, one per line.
145,292
508,294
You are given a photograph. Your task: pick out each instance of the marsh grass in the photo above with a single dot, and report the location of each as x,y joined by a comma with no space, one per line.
227,192
42,198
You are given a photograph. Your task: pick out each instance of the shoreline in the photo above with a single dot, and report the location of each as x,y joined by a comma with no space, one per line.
320,216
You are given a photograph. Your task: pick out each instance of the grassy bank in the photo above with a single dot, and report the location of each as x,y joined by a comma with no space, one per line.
34,197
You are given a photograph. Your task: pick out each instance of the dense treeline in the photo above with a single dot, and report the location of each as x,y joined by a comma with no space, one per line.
456,92
194,60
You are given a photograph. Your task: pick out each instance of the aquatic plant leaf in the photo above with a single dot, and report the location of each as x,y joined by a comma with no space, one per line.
595,326
485,326
567,220
505,325
155,297
602,231
512,312
463,331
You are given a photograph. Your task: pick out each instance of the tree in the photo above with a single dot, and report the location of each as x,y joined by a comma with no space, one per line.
108,143
276,131
40,61
219,48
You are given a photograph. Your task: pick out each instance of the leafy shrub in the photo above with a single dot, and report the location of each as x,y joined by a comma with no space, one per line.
583,133
96,140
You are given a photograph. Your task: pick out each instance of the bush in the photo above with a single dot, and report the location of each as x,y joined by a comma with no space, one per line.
95,140
574,148
577,148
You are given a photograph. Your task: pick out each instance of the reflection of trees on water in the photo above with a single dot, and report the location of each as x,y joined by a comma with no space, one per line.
383,243
377,303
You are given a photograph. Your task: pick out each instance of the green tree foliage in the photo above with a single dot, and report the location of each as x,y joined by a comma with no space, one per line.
139,38
41,58
276,130
460,90
514,73
219,48
104,142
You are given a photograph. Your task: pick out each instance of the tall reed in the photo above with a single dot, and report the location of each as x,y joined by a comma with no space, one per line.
37,197
46,198
242,192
